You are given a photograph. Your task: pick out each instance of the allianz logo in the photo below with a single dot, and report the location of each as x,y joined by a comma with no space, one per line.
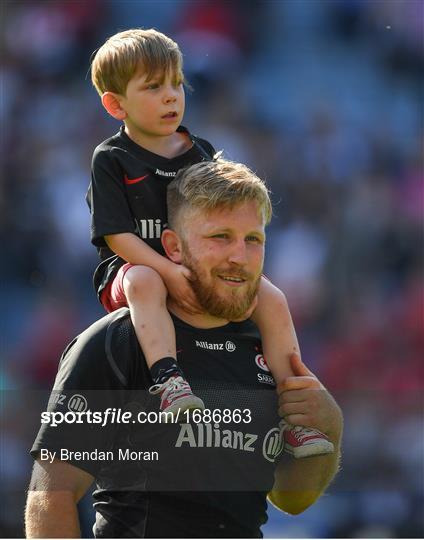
170,174
150,228
212,436
228,345
209,436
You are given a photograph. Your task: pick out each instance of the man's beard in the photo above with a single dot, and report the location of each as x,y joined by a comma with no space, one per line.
231,307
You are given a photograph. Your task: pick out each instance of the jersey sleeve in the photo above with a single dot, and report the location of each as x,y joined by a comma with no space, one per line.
90,380
110,210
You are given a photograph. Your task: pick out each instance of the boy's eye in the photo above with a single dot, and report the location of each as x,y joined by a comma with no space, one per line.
153,86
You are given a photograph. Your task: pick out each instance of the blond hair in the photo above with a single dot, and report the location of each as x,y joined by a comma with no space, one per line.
216,184
117,60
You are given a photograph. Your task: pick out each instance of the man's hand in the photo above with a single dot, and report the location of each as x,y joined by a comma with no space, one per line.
304,401
177,281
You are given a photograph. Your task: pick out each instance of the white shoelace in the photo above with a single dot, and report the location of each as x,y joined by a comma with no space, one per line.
174,385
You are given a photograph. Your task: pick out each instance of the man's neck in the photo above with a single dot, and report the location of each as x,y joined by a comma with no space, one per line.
199,320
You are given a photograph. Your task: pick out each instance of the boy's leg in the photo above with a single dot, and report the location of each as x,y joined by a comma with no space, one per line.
279,341
275,324
146,296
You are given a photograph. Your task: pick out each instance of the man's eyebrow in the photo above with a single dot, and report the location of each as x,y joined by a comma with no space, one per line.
214,229
259,234
218,230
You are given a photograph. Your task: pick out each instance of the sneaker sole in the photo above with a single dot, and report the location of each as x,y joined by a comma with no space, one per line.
317,449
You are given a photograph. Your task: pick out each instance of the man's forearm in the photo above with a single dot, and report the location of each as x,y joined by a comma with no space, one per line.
51,514
54,491
300,482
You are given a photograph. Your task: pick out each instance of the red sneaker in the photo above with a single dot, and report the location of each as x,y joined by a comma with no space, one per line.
176,396
303,442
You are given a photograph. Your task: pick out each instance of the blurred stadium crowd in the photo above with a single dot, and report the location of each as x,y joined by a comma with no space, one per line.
324,99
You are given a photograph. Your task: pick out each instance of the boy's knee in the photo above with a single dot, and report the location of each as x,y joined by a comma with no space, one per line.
142,281
272,293
272,300
279,296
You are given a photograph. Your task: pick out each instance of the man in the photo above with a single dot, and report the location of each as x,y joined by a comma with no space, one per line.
202,477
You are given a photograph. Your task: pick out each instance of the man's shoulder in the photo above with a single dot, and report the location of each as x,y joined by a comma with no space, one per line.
102,327
109,345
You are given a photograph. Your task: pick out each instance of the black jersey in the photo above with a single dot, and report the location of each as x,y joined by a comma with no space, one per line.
211,476
127,194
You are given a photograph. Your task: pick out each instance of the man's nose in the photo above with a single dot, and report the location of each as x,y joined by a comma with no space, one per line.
238,253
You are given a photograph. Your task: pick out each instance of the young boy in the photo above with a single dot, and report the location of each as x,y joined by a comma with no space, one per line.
139,77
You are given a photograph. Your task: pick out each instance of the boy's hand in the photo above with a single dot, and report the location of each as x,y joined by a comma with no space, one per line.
177,281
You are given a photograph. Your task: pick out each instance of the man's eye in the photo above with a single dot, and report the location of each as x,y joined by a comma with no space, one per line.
221,235
254,239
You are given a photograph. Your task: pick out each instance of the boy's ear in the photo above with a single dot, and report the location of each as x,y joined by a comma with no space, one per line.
112,103
172,245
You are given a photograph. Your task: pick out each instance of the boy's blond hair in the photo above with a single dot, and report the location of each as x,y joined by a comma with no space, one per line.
117,60
216,184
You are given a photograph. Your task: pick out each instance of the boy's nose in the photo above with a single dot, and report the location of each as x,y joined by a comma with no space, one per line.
170,95
170,98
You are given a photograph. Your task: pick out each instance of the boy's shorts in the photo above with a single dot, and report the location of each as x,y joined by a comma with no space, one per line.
113,295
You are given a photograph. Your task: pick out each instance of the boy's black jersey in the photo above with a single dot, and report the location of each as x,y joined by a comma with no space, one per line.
210,477
127,193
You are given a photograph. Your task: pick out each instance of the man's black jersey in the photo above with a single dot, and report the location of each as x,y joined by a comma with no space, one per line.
127,194
210,477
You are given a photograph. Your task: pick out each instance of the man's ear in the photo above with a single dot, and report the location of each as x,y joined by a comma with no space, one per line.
112,103
172,245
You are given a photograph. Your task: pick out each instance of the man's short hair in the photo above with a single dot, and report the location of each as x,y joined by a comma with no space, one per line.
216,184
117,60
